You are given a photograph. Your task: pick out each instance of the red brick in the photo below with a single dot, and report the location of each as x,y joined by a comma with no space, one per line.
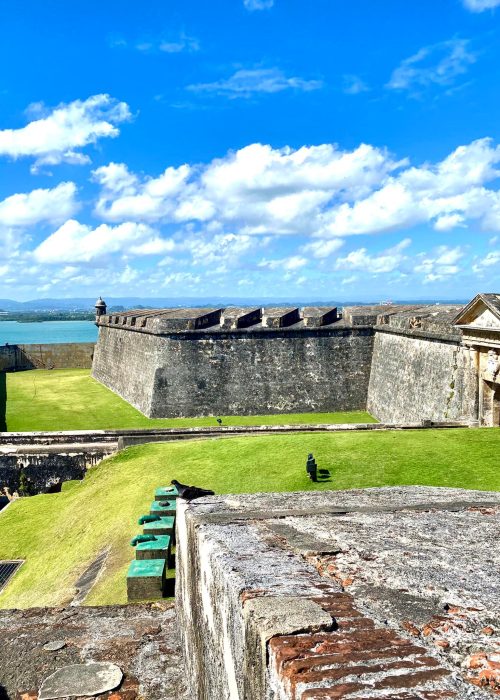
331,693
410,680
361,656
316,663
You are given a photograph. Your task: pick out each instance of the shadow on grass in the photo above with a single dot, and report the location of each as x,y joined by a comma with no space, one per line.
3,401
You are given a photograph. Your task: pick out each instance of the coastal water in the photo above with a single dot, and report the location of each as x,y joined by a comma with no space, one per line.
16,333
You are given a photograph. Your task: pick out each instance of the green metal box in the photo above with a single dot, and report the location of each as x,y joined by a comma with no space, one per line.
146,579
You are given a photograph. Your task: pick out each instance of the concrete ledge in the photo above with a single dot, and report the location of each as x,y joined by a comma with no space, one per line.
354,594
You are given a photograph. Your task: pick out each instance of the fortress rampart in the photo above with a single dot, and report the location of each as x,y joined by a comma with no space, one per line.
195,362
401,363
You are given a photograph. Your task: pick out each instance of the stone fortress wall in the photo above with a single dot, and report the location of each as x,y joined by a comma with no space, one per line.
192,362
401,363
420,370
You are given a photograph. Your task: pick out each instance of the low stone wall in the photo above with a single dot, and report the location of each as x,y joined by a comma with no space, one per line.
42,469
46,356
349,594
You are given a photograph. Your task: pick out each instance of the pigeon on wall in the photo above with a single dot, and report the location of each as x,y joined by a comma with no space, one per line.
190,493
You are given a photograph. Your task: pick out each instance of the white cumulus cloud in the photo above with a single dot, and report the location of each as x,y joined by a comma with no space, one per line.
59,135
387,261
291,263
490,260
124,197
441,264
323,249
41,205
76,242
321,192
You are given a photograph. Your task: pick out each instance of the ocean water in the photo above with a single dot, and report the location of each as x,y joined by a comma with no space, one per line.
16,333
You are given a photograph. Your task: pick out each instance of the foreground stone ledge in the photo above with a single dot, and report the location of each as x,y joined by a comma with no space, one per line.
142,640
388,592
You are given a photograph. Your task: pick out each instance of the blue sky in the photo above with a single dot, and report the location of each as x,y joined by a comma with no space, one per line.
255,148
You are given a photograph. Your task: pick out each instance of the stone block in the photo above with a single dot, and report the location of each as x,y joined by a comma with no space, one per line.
189,319
279,317
317,316
146,579
237,317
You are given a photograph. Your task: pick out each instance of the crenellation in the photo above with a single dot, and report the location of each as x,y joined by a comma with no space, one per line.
280,317
317,316
240,317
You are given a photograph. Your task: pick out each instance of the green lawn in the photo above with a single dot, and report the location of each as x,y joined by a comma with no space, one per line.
60,534
69,399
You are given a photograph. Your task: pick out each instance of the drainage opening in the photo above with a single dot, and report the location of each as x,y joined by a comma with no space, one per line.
7,571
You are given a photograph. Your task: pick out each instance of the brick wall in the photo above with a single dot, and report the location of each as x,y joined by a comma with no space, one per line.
344,595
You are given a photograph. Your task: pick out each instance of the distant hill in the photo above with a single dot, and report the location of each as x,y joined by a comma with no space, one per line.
87,304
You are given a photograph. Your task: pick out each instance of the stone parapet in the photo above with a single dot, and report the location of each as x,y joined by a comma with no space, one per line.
230,319
354,594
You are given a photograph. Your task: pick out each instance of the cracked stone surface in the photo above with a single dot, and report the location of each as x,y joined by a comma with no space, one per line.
409,576
141,639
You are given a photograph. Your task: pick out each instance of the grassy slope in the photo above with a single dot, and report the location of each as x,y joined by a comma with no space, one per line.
69,399
61,534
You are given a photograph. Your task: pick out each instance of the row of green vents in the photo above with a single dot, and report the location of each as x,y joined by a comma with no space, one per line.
146,577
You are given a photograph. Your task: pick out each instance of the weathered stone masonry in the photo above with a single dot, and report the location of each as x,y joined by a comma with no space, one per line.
165,371
401,363
371,593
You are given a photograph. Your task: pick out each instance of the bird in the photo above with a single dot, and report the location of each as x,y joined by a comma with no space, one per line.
190,493
219,421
